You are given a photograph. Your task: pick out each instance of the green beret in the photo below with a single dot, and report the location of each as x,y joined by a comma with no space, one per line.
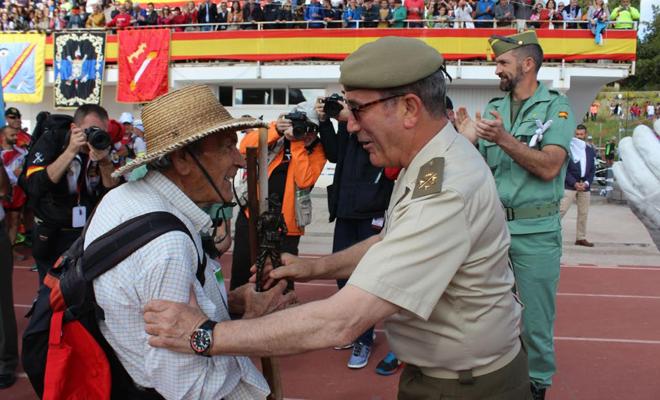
389,62
502,44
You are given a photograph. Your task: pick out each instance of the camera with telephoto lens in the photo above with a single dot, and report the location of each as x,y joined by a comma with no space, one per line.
332,106
301,125
98,138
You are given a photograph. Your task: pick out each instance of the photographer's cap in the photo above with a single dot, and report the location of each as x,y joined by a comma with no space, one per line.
389,62
126,118
12,112
138,124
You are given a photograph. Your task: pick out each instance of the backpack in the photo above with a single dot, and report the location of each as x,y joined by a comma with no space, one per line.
56,124
64,353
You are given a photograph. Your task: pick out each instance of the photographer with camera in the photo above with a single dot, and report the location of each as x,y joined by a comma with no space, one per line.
295,162
68,172
357,200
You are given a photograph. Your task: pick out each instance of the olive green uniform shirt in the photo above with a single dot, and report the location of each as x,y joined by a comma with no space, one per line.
516,186
443,259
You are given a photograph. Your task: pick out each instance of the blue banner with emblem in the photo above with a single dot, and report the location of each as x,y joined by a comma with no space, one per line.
79,64
22,66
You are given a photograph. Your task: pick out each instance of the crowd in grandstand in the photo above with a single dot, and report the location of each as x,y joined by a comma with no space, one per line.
55,15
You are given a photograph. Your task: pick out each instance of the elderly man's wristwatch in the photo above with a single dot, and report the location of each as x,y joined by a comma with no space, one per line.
201,339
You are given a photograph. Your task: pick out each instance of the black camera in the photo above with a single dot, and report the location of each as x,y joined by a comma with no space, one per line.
300,123
332,106
98,138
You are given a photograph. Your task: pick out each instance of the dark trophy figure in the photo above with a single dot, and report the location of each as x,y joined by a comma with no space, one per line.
271,231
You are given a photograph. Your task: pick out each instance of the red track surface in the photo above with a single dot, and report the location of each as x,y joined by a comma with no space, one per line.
607,340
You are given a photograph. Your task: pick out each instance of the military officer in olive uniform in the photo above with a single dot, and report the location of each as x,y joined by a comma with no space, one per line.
524,137
438,273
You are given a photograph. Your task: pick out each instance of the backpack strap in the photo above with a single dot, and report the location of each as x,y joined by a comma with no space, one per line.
114,246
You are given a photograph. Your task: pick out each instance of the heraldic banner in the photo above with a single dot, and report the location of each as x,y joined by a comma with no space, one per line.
143,59
79,65
22,66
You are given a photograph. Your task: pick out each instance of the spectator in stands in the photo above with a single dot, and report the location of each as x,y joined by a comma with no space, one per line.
178,18
253,13
572,15
384,14
597,17
463,15
523,9
75,20
415,10
271,11
42,22
59,21
235,16
485,13
625,15
314,12
97,18
190,12
504,13
371,14
539,13
399,15
352,14
207,13
284,15
331,15
151,16
223,14
121,20
548,14
577,184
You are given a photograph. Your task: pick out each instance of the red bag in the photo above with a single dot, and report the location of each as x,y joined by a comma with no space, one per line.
77,368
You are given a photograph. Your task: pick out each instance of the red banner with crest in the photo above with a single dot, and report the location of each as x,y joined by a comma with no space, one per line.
143,60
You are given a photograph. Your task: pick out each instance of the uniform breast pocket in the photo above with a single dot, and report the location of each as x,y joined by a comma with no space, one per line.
526,131
493,155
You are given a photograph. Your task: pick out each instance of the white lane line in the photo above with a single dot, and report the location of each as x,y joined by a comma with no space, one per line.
617,267
615,296
605,340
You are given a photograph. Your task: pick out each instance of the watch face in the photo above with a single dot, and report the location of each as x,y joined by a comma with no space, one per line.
200,340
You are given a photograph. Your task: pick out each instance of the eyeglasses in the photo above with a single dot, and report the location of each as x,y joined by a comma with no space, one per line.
11,117
356,108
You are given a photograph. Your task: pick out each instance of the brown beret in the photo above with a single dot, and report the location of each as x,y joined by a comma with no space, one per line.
389,62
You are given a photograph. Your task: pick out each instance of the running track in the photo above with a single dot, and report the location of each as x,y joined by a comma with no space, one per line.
607,340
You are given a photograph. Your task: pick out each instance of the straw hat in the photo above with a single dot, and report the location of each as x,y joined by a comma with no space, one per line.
180,118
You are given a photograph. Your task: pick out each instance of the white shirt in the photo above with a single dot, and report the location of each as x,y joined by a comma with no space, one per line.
165,269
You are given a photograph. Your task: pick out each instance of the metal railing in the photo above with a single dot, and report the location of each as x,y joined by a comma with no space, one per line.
359,24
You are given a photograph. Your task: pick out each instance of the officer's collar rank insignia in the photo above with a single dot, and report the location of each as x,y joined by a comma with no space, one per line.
563,114
429,179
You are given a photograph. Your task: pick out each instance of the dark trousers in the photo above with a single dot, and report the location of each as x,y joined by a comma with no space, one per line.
347,233
8,335
241,263
507,383
48,244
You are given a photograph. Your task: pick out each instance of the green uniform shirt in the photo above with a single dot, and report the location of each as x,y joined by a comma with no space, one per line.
516,186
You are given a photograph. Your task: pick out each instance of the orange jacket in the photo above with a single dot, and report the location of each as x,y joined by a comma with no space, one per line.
304,169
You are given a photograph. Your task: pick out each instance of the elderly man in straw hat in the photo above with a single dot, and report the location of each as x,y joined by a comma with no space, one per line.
191,157
438,273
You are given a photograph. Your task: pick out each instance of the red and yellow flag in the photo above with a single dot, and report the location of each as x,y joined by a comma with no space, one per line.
143,65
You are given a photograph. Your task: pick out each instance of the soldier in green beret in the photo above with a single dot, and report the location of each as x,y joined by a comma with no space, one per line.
524,137
438,273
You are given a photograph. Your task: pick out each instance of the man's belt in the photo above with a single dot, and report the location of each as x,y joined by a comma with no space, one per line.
540,211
